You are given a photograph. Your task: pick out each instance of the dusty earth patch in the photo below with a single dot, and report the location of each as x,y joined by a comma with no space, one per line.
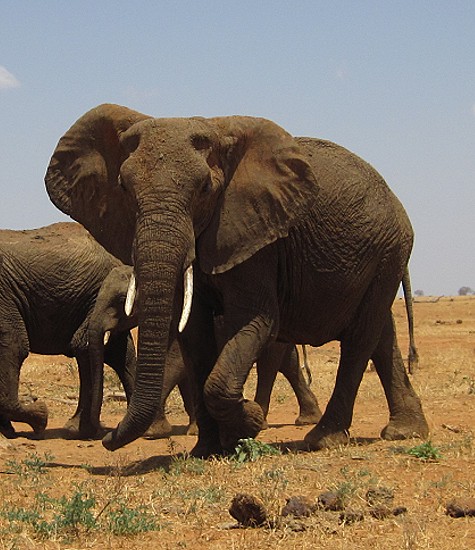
149,495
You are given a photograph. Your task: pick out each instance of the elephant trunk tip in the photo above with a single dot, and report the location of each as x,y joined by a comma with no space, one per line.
111,442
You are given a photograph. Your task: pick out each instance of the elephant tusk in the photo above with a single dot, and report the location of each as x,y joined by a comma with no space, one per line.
130,299
188,284
107,334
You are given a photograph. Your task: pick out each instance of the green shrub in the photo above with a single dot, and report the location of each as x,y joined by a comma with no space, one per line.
250,450
425,451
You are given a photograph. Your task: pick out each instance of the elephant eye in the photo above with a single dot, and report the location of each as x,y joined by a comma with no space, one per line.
207,184
200,142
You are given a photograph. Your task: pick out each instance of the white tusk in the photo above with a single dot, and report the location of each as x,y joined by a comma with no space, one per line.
188,284
130,299
107,335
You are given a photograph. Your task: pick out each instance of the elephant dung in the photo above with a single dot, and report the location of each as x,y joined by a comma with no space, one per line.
461,507
248,510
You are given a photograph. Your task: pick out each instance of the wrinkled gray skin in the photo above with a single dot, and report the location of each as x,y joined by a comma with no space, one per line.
109,316
291,239
49,280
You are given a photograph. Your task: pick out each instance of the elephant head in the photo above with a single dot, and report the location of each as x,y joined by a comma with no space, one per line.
160,193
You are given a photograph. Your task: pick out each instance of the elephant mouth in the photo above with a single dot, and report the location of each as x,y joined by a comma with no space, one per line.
187,300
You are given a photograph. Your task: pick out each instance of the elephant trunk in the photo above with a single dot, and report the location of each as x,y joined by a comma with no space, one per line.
162,253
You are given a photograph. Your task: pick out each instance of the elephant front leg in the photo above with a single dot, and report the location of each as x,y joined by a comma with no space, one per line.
238,418
199,351
81,425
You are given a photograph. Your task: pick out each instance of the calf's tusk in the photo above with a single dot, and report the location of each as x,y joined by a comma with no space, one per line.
188,286
130,298
107,334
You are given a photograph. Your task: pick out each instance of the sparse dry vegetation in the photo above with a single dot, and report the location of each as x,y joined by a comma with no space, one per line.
57,493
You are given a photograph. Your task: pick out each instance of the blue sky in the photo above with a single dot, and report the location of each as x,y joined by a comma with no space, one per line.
392,81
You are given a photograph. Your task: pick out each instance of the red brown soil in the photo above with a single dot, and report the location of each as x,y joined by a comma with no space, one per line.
445,381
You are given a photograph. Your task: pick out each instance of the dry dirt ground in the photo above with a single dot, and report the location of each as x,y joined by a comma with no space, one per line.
57,493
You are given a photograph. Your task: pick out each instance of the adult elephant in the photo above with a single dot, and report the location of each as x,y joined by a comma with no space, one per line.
290,239
112,316
49,280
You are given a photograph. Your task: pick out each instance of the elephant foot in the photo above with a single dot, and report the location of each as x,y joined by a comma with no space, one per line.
6,428
405,428
206,449
160,429
77,429
308,418
247,423
192,428
38,418
318,439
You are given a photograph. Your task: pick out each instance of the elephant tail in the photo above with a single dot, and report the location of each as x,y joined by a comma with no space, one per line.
413,358
304,366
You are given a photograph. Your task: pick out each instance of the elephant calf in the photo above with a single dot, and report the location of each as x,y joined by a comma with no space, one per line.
50,278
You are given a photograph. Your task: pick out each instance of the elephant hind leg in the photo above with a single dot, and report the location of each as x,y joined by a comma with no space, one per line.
358,343
310,412
283,357
333,428
406,418
13,351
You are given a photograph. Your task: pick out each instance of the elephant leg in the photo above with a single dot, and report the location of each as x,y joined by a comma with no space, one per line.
81,425
248,334
238,418
13,351
267,366
200,352
358,342
310,412
333,428
187,395
120,355
6,427
406,418
250,322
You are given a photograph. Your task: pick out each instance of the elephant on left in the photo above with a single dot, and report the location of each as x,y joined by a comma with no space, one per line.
49,281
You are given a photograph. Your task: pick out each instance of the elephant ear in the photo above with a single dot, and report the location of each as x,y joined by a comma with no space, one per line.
270,188
83,181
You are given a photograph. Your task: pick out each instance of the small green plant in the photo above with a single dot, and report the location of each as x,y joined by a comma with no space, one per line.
32,467
131,521
75,512
69,517
425,451
187,464
250,450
